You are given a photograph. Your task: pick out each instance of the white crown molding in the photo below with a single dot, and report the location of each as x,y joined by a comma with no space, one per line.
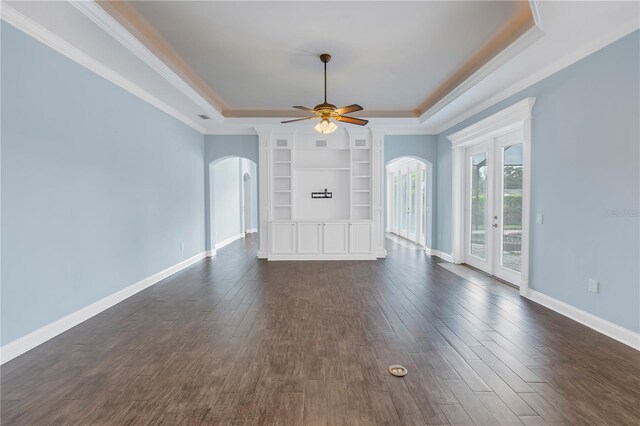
38,32
534,5
573,57
621,334
111,26
501,121
520,44
49,331
405,130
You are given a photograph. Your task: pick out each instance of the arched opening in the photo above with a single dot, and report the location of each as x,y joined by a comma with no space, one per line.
233,212
408,205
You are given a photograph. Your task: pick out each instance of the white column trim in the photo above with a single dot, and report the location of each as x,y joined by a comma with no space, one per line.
264,136
378,176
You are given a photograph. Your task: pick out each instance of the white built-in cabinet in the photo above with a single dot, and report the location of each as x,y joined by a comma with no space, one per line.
303,227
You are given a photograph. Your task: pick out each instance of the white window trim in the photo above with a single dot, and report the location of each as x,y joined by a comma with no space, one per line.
517,116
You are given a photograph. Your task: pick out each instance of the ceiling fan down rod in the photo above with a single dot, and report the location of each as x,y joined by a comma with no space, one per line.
325,57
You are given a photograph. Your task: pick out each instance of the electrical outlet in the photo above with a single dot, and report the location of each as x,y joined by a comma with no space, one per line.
539,218
593,286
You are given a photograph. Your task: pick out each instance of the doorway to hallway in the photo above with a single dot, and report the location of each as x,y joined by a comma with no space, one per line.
407,199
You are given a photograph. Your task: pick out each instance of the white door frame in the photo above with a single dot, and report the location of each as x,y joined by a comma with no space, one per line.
515,117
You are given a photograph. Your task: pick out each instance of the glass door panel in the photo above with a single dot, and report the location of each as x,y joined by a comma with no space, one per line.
396,199
403,203
478,206
511,203
423,205
413,203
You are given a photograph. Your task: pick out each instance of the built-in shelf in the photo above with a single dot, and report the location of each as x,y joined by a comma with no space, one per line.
360,190
282,190
282,177
282,162
361,205
282,205
360,162
360,177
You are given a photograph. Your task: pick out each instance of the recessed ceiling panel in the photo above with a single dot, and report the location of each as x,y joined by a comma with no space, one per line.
387,56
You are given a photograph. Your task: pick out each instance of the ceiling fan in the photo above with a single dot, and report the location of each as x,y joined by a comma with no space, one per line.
326,111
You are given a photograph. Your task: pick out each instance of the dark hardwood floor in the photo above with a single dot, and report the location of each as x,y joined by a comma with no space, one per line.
236,340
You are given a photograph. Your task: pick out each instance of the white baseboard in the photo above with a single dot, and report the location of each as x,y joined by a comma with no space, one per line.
427,251
441,255
621,334
49,331
228,241
250,231
297,257
211,253
262,254
381,253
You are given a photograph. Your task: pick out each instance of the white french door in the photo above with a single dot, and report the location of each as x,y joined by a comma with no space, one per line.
408,202
493,206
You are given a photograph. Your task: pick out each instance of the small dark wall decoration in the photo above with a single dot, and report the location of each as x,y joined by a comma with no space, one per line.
324,194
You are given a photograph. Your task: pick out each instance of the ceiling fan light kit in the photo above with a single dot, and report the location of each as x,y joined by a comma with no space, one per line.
325,126
327,112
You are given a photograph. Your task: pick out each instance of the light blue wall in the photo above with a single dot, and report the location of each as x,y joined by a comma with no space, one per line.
585,164
444,175
216,148
99,188
422,147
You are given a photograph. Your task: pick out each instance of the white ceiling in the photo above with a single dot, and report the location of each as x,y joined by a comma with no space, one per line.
387,56
572,30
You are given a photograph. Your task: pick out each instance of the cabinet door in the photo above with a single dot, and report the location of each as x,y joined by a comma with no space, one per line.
283,238
360,237
310,237
335,237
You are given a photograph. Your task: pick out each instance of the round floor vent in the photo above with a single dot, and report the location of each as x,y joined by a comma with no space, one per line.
397,370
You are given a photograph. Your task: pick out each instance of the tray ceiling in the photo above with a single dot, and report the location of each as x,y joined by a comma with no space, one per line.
259,58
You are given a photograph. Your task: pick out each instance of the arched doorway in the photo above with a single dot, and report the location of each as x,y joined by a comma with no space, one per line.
233,192
409,202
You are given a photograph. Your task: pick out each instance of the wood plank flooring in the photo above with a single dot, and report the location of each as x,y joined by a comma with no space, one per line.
234,340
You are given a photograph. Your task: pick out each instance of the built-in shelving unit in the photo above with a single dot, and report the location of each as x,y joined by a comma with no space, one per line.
281,172
336,226
361,180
